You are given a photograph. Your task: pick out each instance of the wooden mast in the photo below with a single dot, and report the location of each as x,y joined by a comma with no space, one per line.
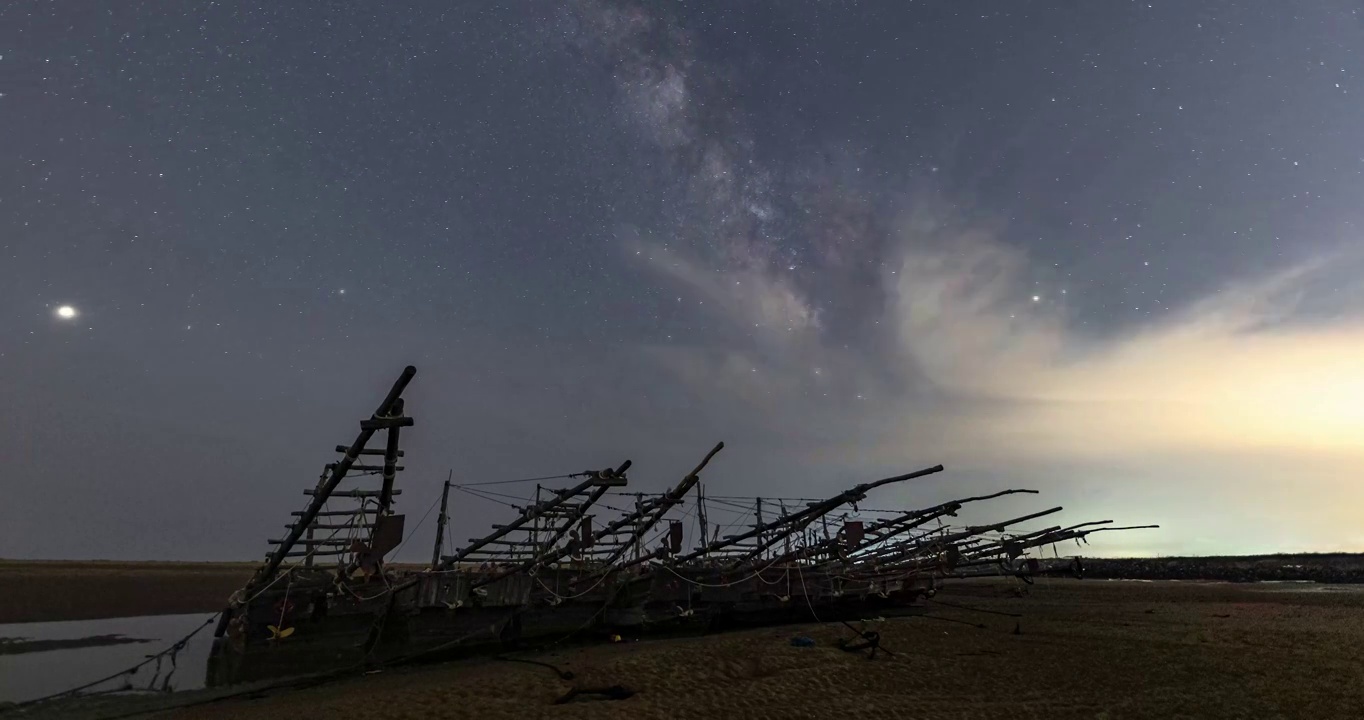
441,520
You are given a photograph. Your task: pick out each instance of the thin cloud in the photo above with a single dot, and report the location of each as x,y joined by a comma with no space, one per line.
886,340
1232,372
1230,404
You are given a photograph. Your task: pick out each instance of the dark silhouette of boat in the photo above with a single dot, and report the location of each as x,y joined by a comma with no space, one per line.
325,599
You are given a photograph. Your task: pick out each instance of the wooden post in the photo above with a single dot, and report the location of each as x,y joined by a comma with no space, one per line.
781,505
441,520
639,517
758,519
701,512
390,461
535,526
308,559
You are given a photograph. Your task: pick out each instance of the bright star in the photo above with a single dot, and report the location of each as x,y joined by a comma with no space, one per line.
66,312
1037,298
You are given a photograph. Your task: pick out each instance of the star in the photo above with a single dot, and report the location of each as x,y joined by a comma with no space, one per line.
66,312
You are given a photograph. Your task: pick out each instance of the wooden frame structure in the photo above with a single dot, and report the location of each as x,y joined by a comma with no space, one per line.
552,571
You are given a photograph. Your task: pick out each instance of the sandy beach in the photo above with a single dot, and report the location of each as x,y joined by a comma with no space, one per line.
1083,649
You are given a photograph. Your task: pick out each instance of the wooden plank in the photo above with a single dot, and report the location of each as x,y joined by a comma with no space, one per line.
318,553
353,493
343,526
383,423
366,451
366,468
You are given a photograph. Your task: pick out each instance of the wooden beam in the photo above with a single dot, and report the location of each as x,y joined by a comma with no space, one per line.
367,451
352,493
375,424
344,526
316,553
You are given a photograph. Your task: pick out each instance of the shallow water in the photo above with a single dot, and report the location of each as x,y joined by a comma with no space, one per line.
36,674
1289,586
1307,586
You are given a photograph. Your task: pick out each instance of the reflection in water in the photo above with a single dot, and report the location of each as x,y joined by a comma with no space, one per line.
35,674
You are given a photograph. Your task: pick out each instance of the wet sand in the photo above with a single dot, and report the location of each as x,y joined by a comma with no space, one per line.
54,590
1085,649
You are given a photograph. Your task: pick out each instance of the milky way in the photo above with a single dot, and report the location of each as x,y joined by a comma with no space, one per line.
1111,252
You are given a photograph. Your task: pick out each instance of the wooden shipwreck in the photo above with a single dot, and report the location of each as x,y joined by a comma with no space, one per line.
567,565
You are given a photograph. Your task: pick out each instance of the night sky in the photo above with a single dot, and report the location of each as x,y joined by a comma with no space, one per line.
1111,251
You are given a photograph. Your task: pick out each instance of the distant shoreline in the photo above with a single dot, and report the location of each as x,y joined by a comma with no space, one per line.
21,645
58,590
1334,568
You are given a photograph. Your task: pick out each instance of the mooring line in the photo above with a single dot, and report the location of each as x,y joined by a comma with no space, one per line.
175,647
522,480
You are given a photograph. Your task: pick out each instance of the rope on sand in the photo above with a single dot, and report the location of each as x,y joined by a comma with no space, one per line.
170,652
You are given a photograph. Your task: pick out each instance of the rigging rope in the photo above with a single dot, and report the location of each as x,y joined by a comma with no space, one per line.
561,598
697,583
418,527
483,495
522,480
